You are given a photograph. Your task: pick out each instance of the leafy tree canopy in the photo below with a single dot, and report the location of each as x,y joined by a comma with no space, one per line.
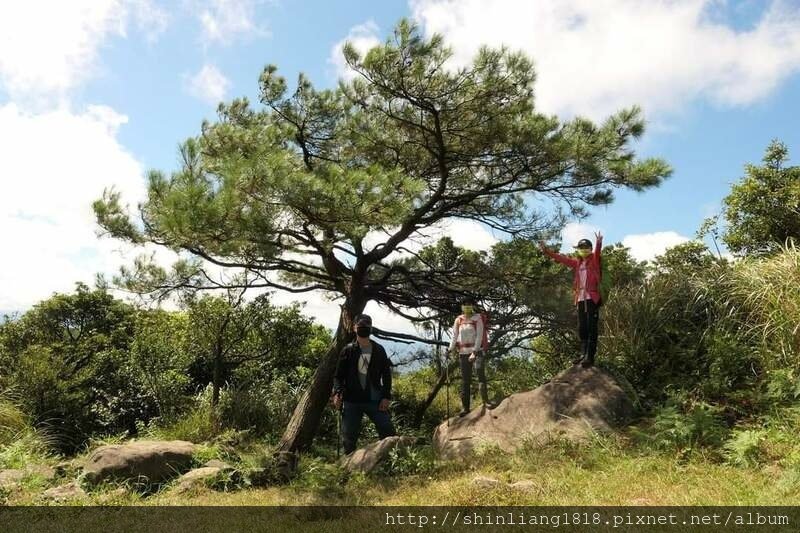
762,211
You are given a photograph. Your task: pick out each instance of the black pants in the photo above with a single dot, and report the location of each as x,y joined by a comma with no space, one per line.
588,317
352,414
466,378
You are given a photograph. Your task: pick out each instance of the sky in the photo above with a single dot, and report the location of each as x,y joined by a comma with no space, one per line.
94,93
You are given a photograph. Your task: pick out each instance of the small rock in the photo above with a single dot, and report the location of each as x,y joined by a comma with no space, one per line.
65,468
484,482
525,485
367,458
196,478
10,478
64,493
285,465
44,471
209,476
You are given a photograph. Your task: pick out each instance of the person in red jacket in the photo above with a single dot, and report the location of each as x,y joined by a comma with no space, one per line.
586,286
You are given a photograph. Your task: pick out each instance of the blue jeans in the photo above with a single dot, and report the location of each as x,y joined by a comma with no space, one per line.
353,412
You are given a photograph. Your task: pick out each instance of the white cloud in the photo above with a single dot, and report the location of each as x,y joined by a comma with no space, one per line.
362,37
647,246
465,233
54,165
151,20
49,48
595,56
225,21
208,84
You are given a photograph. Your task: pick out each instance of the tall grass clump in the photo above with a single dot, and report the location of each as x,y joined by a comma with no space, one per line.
763,302
20,443
654,335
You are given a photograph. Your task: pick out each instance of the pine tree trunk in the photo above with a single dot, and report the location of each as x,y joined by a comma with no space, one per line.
305,420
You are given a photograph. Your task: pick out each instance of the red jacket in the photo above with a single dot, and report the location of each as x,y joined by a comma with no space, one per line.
592,270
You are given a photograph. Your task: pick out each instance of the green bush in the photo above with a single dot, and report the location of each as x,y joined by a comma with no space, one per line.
409,461
683,426
744,448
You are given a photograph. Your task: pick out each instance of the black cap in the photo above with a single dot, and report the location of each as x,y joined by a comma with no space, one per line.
362,320
584,243
468,300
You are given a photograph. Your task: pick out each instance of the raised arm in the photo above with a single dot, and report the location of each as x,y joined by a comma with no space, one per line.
563,259
598,247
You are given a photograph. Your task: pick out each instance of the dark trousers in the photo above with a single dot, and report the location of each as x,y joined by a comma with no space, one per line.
466,378
588,317
352,414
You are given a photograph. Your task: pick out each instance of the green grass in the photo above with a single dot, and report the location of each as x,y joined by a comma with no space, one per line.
605,471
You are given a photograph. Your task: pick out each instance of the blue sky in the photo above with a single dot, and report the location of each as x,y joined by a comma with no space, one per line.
102,90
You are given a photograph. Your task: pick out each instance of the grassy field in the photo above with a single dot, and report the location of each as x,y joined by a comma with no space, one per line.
602,472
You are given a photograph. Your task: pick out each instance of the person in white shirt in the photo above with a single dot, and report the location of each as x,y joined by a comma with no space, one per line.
467,342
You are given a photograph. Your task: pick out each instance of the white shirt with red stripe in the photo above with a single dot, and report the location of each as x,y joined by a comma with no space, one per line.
467,334
583,294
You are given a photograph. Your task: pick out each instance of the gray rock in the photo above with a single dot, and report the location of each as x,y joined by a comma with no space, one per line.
367,458
149,461
525,485
64,493
43,471
484,482
199,477
10,478
573,404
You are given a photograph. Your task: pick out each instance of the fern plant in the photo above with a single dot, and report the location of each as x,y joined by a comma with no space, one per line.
744,447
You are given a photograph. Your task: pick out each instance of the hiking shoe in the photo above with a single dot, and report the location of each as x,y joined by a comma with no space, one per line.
578,360
464,412
586,363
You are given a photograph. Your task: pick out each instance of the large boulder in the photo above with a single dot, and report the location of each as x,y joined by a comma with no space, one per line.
147,461
367,458
575,403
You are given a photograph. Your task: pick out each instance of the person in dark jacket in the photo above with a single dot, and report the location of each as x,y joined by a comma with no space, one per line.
363,385
586,287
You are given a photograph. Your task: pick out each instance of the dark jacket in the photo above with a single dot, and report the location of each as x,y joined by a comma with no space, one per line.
379,373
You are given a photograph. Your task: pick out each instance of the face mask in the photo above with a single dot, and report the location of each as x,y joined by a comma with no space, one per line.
364,331
582,252
467,310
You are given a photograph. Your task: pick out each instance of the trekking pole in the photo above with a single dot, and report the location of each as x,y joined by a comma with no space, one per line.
338,430
447,386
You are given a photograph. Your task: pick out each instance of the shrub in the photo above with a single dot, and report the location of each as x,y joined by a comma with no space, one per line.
684,426
744,446
408,461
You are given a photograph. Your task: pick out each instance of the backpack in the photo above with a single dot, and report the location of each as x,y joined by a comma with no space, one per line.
485,339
